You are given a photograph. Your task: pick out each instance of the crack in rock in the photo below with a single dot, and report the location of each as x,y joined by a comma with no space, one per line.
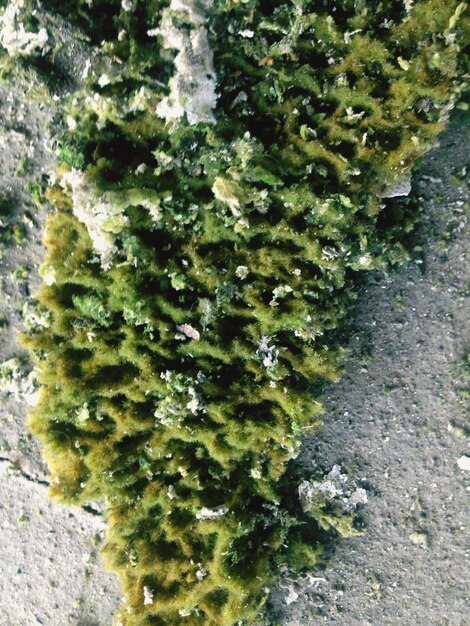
17,463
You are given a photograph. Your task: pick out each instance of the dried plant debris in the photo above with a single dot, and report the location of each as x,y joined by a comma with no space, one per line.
224,171
332,501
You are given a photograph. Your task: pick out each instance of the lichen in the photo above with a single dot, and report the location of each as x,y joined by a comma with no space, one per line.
15,38
103,213
17,382
333,501
193,86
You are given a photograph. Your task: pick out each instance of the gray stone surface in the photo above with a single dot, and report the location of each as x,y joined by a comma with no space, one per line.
50,572
24,147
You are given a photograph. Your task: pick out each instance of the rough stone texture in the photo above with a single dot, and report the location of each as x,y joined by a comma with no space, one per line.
23,139
50,573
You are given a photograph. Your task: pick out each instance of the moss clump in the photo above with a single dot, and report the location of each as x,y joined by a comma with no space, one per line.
201,257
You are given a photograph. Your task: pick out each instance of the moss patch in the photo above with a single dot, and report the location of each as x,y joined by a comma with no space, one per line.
197,269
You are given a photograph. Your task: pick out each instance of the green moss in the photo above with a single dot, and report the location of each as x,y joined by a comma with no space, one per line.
197,272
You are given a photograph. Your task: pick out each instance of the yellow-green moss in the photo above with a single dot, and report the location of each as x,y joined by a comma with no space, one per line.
179,372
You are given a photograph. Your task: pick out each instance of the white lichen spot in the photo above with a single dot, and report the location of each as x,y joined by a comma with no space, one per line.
352,117
193,85
34,317
408,6
241,225
47,273
201,573
206,513
86,69
241,272
83,414
309,332
14,37
365,261
419,539
268,354
140,169
71,122
403,63
184,612
104,80
180,398
15,381
329,253
103,219
138,101
241,97
193,404
333,488
299,586
228,192
280,292
464,463
148,596
103,213
291,596
348,35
